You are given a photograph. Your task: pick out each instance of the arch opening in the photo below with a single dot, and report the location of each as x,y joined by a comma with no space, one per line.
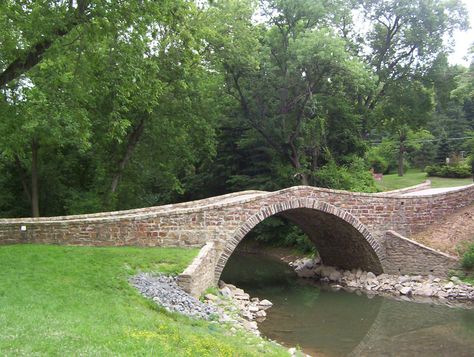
340,239
338,242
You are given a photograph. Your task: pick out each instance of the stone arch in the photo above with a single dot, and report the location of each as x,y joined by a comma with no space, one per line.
299,210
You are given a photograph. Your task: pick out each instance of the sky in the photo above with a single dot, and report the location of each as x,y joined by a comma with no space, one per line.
463,39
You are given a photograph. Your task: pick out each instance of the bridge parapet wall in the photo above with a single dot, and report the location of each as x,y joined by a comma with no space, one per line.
422,186
215,219
382,211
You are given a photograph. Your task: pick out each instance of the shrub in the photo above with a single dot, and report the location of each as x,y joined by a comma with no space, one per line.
296,238
355,177
381,158
468,258
378,163
279,232
449,171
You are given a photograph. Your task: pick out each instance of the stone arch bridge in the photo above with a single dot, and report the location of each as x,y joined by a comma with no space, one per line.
350,230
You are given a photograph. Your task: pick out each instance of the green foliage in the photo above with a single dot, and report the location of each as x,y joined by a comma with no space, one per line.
279,232
464,91
405,36
387,150
422,155
444,151
467,260
109,95
450,171
377,162
317,80
296,238
109,105
356,177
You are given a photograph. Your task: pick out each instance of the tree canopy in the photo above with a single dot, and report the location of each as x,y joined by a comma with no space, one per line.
113,105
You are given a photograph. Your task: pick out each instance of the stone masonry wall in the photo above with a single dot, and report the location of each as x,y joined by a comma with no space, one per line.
220,219
200,274
405,256
422,186
193,224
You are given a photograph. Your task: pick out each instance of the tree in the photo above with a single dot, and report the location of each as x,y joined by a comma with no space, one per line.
421,148
99,86
405,108
46,113
464,92
290,97
33,27
404,37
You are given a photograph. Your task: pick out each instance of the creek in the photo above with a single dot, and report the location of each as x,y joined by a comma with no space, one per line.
324,322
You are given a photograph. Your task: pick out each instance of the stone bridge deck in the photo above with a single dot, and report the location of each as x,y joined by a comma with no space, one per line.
349,229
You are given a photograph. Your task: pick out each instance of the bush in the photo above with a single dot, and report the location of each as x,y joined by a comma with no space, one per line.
449,171
468,258
378,163
381,158
298,239
279,232
355,177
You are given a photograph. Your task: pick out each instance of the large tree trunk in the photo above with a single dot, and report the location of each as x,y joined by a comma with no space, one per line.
34,179
132,142
304,179
295,162
401,152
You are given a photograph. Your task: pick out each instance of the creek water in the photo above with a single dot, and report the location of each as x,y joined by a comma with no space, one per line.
330,323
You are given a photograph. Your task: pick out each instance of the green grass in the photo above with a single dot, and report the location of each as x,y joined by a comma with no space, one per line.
415,177
76,301
468,278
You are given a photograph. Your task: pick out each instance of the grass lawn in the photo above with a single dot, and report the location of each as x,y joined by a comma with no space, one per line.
76,301
415,177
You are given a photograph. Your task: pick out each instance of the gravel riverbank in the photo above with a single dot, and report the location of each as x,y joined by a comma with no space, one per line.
164,290
228,304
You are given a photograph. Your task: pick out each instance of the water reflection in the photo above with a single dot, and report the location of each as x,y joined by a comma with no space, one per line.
329,323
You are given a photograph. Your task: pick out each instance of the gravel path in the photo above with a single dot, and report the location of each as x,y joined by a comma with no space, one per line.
165,291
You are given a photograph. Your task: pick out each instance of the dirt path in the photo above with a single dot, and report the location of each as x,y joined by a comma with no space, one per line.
452,234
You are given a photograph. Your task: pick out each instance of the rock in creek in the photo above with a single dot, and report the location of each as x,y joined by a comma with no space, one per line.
405,285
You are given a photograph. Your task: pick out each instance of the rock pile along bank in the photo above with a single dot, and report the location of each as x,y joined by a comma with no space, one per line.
385,284
235,306
229,305
164,291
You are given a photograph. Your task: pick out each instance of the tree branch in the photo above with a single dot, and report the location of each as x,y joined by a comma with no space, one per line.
248,116
31,57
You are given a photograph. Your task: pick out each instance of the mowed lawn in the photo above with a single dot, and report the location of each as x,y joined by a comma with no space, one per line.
415,177
76,301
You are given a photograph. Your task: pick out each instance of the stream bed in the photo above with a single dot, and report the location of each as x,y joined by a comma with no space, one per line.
323,322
